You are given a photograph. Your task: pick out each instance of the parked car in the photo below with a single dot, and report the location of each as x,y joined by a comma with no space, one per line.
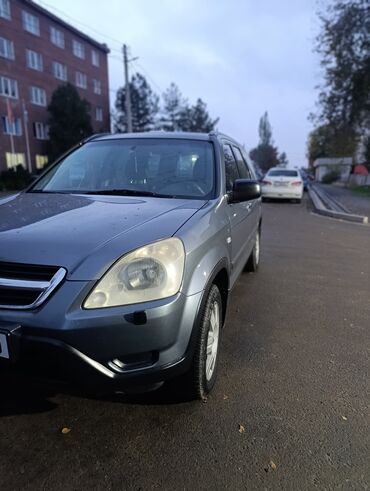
281,183
118,262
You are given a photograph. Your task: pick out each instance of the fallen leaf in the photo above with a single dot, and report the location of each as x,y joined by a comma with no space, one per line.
241,429
273,465
225,397
65,430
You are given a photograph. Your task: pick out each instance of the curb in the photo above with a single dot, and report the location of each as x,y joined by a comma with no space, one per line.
329,201
321,209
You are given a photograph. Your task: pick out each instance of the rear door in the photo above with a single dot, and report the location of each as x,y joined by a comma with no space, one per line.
240,217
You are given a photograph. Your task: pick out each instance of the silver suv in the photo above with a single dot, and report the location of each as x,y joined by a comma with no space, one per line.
118,262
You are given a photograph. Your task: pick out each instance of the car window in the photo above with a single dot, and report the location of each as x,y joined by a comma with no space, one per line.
242,166
250,165
167,167
283,173
231,169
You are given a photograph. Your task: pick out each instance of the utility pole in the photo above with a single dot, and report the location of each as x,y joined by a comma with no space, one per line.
11,125
25,120
127,91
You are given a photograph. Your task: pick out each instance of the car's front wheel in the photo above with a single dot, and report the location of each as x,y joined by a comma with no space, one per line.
202,375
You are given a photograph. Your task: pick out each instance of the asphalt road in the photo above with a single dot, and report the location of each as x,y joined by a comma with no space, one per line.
294,374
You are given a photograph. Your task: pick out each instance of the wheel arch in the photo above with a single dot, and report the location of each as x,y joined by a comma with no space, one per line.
221,278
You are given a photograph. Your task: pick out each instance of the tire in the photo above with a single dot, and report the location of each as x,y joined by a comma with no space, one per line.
254,258
202,374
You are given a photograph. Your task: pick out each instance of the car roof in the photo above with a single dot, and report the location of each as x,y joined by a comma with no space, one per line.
282,168
183,135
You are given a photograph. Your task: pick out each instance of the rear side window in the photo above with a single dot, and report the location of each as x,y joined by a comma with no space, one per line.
231,168
242,166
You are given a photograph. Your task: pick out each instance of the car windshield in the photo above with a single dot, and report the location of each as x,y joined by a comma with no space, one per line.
145,167
282,173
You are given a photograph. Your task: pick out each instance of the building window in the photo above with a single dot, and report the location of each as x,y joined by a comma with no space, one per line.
95,58
6,48
99,114
34,60
78,49
31,23
57,37
38,96
59,70
41,131
81,80
15,159
12,128
8,87
97,86
41,161
5,9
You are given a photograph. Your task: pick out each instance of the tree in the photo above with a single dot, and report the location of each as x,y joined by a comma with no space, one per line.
283,159
331,141
144,106
344,46
69,120
265,154
173,105
196,118
265,130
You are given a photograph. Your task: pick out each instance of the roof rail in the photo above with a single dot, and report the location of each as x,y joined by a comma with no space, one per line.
93,137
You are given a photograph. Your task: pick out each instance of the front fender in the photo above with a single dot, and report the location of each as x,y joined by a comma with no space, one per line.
206,268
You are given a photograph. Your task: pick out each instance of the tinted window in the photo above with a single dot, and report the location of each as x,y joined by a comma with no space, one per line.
181,168
282,173
242,166
231,169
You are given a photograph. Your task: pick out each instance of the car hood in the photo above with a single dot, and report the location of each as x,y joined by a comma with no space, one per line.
85,234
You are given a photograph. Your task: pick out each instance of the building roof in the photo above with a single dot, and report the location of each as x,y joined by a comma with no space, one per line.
333,161
32,5
360,169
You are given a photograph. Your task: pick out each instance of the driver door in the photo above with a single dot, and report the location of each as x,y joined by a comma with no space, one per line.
240,216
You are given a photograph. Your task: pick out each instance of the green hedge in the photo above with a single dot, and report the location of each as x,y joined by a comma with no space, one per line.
15,179
331,176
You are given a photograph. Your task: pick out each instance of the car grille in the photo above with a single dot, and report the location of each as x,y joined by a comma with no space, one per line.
30,272
26,286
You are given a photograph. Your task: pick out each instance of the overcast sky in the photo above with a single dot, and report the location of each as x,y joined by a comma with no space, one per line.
241,57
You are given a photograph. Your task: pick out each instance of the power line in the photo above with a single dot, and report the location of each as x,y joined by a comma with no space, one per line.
141,68
60,12
115,50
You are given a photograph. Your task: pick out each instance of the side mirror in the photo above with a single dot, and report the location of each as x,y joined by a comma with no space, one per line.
245,190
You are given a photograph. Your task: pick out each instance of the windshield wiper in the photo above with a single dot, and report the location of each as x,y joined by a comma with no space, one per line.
107,192
128,192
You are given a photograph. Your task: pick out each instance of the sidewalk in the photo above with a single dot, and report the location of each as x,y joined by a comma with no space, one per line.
357,204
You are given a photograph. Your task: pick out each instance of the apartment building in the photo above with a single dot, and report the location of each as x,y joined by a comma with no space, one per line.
38,52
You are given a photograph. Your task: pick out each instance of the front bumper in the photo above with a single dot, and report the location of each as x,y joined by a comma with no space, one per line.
114,348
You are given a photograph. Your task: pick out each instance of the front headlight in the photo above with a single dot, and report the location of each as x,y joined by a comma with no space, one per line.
149,273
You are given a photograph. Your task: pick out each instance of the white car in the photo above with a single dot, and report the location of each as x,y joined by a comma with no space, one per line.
281,183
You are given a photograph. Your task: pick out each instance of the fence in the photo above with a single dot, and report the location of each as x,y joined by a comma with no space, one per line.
359,180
